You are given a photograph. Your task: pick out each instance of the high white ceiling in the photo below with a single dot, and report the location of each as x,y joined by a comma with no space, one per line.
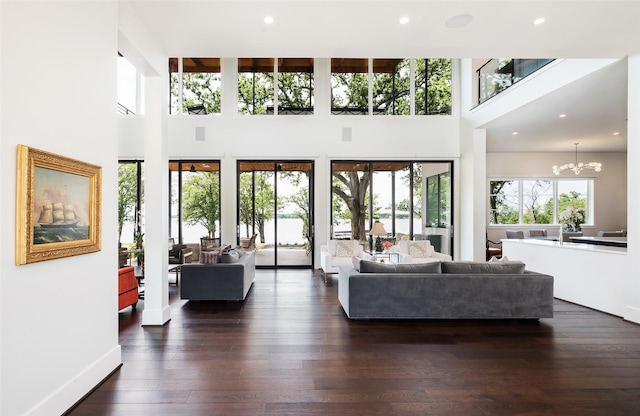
359,28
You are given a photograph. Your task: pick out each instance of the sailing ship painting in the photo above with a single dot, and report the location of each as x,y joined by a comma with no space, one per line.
58,215
60,201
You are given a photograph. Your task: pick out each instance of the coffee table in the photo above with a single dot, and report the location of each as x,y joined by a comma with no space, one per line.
385,256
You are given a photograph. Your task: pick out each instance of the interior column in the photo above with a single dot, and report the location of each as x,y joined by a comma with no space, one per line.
156,212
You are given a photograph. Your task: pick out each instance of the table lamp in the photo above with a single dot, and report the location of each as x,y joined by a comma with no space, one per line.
377,230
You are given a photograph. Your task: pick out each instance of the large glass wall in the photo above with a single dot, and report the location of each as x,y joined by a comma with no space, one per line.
393,193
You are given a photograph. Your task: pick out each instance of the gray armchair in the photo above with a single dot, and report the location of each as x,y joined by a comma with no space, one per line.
537,233
515,234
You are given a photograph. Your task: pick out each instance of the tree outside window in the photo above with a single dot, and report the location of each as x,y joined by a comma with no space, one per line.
391,86
201,85
295,86
349,86
255,85
538,201
433,86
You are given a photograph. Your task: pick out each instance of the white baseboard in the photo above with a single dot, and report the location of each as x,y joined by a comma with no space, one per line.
632,314
76,388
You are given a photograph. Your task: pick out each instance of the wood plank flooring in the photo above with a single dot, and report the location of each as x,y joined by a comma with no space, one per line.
289,350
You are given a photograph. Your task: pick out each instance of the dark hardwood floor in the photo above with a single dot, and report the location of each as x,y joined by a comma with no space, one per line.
289,350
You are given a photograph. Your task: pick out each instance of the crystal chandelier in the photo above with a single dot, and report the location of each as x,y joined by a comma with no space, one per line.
577,167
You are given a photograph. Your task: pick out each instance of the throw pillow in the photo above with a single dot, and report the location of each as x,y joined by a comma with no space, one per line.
418,249
230,256
344,248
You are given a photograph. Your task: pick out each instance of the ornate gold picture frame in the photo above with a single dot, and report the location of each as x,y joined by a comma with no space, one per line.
58,203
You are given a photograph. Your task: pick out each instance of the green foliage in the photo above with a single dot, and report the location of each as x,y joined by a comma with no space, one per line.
349,90
295,89
201,200
301,201
262,199
127,194
198,88
572,210
391,91
255,92
433,86
417,191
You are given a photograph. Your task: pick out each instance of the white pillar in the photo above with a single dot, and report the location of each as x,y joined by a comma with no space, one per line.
633,182
156,203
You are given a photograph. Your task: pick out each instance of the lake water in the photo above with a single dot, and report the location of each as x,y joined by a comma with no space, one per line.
289,230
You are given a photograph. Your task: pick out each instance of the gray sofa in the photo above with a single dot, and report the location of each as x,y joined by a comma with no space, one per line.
230,279
445,290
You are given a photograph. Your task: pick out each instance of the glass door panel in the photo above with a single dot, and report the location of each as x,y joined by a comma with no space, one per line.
275,201
294,214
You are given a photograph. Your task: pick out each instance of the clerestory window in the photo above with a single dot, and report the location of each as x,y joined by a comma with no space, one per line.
196,85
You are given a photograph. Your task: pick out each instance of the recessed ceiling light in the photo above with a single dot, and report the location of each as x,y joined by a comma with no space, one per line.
616,133
539,21
515,133
268,20
562,115
404,20
459,21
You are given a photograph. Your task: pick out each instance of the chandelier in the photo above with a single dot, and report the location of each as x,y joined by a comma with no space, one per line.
577,167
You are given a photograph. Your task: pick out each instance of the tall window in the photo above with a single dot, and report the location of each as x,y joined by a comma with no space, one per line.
349,86
255,85
295,86
195,200
391,192
439,199
130,201
129,88
433,86
539,201
391,86
201,85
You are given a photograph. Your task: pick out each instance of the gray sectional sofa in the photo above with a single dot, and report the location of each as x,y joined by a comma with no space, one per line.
445,290
230,279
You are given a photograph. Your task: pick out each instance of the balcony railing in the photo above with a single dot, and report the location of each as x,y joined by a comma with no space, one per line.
122,110
499,74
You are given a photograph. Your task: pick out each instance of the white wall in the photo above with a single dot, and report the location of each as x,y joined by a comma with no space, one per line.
58,318
610,208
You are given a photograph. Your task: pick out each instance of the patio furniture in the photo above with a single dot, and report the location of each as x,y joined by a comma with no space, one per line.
249,244
179,253
494,249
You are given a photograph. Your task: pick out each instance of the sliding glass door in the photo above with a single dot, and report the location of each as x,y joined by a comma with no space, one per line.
275,201
410,198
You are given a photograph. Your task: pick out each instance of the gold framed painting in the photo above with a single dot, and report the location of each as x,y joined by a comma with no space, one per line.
58,205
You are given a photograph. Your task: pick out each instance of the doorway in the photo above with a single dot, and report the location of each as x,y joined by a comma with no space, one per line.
275,212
